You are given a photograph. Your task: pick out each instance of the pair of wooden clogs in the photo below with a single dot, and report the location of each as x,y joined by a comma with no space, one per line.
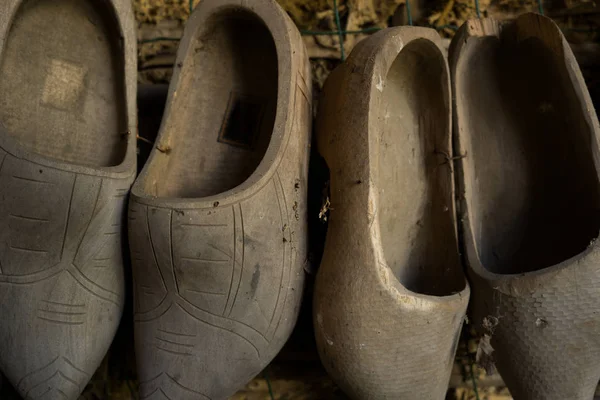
514,113
217,218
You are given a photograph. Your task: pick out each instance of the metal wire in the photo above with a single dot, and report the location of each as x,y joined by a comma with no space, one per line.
540,7
266,375
408,13
336,11
471,367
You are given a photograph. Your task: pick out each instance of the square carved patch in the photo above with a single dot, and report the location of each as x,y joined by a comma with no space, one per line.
64,84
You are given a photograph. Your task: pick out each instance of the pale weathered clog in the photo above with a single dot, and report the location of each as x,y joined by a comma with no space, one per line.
217,221
530,207
67,160
390,294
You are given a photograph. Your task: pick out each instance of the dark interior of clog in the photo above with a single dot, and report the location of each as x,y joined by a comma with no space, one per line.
531,184
415,210
223,113
61,82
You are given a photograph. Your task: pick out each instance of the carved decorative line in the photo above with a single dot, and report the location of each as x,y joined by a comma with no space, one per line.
186,388
173,381
100,266
176,334
219,250
59,322
191,346
203,260
155,391
225,329
26,218
279,309
41,396
68,379
62,394
74,367
148,381
64,242
26,250
139,316
91,217
63,304
21,178
242,264
151,242
57,373
177,353
204,225
283,214
93,284
234,256
171,252
35,372
90,290
204,292
22,279
65,313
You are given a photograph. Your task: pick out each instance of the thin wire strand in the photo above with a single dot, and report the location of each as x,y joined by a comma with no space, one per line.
408,13
266,375
540,7
336,11
191,6
474,382
477,9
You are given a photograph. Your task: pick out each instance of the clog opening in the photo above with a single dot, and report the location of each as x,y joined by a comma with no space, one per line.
62,88
415,210
222,115
530,179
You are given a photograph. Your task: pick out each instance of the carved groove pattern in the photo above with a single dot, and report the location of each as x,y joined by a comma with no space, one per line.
216,285
61,264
